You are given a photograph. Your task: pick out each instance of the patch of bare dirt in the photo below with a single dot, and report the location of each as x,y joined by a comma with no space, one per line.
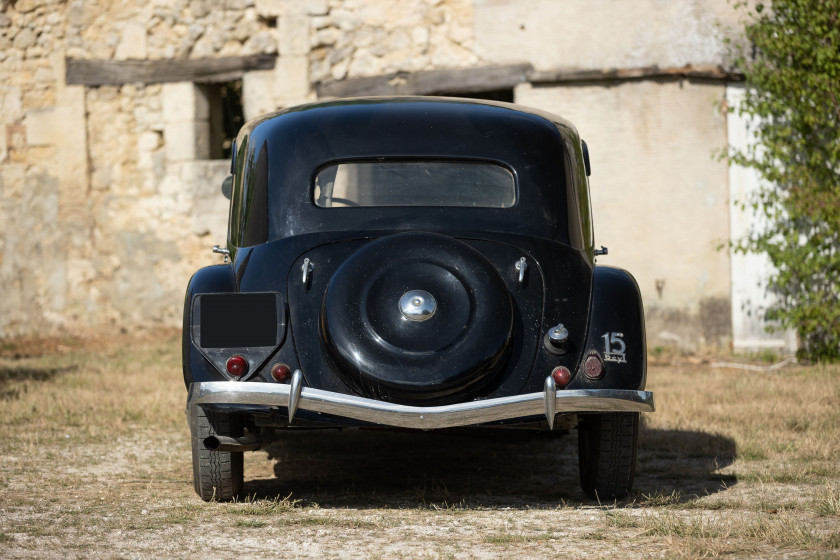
32,346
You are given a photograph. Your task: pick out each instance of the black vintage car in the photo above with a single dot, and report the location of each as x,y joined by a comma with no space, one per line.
420,263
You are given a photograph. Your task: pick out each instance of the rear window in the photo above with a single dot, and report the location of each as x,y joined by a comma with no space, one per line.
415,183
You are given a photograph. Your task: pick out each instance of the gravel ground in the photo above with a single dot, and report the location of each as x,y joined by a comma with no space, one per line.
72,491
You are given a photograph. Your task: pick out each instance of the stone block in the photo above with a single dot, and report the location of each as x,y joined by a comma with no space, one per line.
16,137
41,129
325,37
26,6
264,42
258,93
72,157
63,127
80,271
292,80
245,29
364,63
294,35
317,7
187,140
25,38
11,177
11,103
183,101
147,145
210,207
271,8
133,42
199,8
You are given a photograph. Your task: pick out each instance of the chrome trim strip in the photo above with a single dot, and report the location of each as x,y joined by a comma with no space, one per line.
424,418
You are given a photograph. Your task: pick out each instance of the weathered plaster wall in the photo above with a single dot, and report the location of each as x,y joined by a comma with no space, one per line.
589,34
43,174
659,197
750,272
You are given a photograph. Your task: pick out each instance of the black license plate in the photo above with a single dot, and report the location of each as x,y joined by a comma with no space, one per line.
238,320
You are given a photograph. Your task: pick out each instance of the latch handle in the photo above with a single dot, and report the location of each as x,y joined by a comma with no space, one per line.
521,266
307,267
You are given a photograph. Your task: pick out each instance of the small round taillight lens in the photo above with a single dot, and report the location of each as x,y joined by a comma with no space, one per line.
593,367
237,366
561,375
281,373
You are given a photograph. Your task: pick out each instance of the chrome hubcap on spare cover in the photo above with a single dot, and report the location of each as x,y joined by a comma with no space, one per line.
417,305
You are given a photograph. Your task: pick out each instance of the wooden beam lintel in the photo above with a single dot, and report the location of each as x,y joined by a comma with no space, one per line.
488,78
454,80
118,72
711,72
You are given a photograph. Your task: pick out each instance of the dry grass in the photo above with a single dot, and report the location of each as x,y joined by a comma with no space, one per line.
96,462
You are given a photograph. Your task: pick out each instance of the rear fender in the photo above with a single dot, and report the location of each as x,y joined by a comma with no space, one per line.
616,333
210,279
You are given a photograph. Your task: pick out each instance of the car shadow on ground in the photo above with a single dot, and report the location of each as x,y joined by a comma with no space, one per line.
381,469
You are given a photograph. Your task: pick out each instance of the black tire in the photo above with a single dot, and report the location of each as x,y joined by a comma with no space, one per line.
607,454
217,475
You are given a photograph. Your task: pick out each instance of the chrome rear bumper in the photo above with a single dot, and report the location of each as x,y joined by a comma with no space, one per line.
295,397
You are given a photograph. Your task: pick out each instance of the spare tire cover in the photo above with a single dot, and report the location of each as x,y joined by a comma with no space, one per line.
417,317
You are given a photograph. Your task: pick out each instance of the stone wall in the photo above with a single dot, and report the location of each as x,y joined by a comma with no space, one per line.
361,38
109,201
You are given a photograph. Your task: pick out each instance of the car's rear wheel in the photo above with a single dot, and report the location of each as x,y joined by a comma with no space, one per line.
607,454
218,475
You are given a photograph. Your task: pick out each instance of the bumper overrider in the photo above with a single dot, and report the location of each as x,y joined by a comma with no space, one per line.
295,397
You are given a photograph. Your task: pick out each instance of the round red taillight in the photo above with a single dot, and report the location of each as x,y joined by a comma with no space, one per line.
237,366
561,375
281,373
593,367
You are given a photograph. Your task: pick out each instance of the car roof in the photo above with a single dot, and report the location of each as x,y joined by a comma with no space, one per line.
443,122
279,154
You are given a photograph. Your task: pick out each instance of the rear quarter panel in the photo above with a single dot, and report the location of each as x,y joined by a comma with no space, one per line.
616,332
210,279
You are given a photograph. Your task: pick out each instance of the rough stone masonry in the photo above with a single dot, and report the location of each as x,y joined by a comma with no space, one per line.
108,195
110,164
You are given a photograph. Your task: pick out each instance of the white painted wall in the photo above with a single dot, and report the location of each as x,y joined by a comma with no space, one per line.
750,298
659,197
600,34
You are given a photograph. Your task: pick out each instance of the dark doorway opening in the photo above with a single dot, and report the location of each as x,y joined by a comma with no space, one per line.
226,116
491,95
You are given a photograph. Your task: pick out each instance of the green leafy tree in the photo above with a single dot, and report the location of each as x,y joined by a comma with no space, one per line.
792,70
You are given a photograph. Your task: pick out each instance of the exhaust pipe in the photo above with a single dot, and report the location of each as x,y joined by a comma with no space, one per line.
251,442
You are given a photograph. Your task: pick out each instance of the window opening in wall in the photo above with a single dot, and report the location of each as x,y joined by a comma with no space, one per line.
491,95
226,116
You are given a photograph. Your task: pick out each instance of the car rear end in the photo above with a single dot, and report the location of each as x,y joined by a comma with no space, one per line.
436,272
